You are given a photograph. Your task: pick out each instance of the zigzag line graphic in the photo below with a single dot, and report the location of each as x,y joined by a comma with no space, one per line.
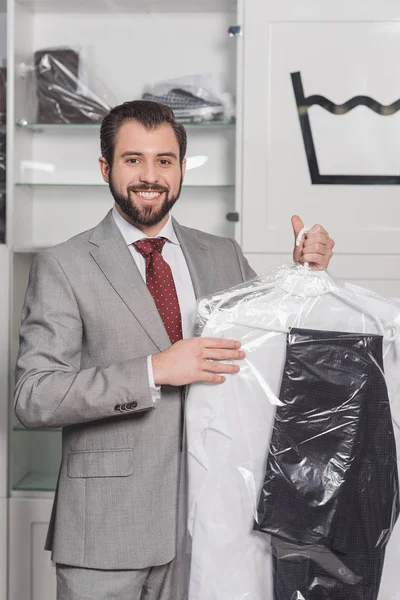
304,103
342,109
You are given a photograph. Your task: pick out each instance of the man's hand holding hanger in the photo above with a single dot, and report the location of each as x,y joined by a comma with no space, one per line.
315,247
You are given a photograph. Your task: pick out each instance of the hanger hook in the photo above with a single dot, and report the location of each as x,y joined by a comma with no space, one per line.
298,242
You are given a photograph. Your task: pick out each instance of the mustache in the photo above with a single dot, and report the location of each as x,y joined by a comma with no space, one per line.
147,188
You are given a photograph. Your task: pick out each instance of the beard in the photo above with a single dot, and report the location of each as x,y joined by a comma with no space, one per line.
146,216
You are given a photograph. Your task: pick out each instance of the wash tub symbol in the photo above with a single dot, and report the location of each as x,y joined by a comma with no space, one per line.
303,104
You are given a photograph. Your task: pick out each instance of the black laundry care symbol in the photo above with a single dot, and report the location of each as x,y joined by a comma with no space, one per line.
303,104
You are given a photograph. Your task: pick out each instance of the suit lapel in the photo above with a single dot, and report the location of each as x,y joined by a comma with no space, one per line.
113,257
196,255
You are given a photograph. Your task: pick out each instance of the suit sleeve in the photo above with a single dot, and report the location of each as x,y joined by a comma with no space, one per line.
51,388
247,271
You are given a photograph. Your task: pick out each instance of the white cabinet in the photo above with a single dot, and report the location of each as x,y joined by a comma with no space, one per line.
3,548
307,150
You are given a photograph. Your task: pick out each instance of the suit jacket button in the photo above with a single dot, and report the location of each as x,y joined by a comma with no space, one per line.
123,407
133,405
117,408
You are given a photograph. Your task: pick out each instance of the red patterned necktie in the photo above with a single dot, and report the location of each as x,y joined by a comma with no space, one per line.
161,285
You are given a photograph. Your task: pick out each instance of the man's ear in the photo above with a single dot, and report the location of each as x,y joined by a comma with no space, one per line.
105,169
183,167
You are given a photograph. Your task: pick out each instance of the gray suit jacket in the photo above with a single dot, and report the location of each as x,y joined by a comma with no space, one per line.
88,324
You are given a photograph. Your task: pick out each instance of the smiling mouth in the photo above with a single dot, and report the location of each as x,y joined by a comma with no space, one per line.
148,195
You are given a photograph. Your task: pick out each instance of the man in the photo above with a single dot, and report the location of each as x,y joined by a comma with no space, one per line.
96,358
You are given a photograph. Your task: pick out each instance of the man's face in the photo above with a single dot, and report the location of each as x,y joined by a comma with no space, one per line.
146,175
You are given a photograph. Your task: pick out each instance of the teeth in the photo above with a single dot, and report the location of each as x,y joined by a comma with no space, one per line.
149,195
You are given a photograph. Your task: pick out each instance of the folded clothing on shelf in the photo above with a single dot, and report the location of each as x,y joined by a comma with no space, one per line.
62,96
2,156
3,75
187,106
2,217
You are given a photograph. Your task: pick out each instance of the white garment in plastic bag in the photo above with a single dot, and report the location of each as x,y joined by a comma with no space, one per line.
229,428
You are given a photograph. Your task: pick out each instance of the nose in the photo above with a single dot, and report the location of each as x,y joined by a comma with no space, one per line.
148,173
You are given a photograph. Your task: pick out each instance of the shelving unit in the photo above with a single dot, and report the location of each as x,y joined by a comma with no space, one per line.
56,191
57,188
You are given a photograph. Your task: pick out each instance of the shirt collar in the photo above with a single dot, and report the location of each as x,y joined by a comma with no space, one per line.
132,234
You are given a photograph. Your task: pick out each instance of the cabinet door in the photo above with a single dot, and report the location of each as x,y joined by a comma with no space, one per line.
43,570
3,548
31,572
321,132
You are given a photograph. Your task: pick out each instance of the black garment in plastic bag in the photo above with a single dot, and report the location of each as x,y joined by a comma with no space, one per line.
62,96
331,478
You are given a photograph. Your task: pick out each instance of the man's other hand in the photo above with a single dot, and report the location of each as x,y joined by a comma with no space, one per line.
196,359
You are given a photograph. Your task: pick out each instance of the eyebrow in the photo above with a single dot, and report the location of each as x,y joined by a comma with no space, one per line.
133,153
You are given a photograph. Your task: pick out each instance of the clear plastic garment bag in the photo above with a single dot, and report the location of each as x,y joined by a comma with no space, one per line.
292,462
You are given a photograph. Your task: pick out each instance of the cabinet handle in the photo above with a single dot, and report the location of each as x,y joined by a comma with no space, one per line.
232,216
235,30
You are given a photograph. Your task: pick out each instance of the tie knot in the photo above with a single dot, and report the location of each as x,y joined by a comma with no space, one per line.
150,245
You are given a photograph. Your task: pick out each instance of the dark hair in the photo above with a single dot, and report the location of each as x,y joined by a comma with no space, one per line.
147,113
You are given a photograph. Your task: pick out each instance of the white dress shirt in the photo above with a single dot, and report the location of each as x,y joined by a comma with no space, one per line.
173,255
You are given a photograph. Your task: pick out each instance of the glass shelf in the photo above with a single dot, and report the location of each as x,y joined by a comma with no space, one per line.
104,185
44,429
130,6
95,127
38,482
29,250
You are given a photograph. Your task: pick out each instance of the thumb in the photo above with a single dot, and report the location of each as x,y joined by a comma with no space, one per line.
297,225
